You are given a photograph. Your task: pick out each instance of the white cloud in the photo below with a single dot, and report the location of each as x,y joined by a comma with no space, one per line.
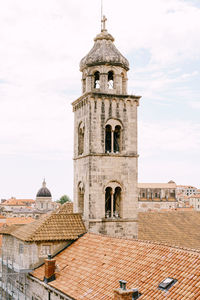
42,43
174,136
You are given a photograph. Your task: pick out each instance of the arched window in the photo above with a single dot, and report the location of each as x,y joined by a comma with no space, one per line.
113,201
80,139
113,136
108,138
81,198
117,139
117,202
110,80
108,200
97,80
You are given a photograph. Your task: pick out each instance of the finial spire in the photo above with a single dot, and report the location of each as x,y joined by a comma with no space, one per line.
44,183
103,18
103,23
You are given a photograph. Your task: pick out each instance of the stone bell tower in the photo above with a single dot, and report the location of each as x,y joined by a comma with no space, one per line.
105,142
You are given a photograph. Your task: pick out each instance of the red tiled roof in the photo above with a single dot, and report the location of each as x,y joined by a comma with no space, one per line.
9,222
17,202
65,208
179,228
93,265
56,226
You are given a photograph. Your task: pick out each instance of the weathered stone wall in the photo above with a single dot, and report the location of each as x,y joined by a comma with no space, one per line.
26,255
115,228
95,168
38,290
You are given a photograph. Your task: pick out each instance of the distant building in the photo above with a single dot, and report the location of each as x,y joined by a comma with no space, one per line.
156,196
186,189
194,201
28,207
44,199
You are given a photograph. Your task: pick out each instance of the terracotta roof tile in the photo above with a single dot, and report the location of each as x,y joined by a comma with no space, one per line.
180,228
12,222
65,208
54,226
93,265
18,202
157,185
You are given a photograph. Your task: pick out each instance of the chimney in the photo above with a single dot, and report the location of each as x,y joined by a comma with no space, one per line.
50,267
123,294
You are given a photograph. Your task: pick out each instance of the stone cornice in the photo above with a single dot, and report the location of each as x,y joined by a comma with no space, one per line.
106,155
96,95
105,220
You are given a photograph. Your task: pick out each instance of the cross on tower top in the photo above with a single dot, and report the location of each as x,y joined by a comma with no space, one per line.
103,23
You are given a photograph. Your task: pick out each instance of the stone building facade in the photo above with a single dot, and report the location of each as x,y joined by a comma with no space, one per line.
157,196
25,247
105,142
194,201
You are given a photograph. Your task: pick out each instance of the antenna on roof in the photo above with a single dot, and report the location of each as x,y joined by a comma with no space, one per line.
101,12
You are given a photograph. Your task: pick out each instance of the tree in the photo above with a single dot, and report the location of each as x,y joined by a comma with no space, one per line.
64,199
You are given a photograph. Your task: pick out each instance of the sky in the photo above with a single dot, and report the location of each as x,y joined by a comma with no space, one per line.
42,43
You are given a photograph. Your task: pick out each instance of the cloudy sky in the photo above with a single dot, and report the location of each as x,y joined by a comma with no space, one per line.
41,44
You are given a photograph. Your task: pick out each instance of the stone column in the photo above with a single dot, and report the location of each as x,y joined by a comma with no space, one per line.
112,202
112,141
89,83
103,82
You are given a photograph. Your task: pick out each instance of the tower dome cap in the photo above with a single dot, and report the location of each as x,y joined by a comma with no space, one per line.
104,52
44,191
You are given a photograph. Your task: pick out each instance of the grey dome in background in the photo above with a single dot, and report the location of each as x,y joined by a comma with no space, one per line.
44,191
104,52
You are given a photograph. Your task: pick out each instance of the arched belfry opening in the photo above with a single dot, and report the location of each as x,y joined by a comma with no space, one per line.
108,200
97,80
81,198
117,202
81,130
110,80
113,136
113,201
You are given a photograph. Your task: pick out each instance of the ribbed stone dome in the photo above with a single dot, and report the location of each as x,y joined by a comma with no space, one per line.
44,191
104,52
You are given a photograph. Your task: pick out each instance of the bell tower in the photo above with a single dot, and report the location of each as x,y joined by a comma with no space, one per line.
105,142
